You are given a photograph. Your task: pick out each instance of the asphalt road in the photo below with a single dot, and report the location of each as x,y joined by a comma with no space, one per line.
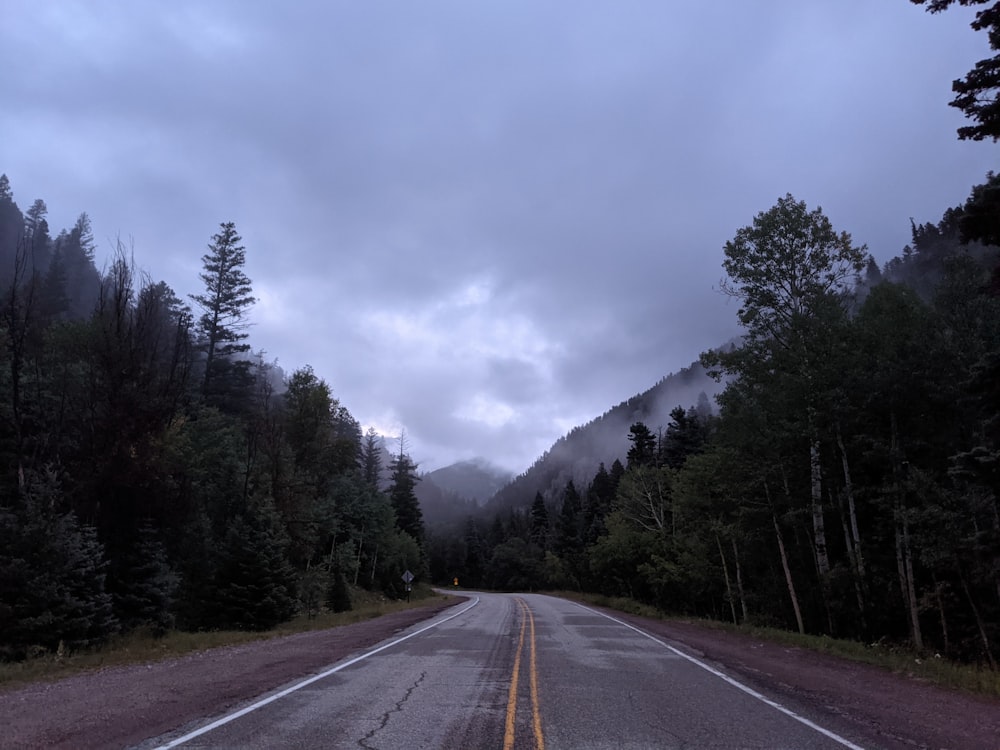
517,671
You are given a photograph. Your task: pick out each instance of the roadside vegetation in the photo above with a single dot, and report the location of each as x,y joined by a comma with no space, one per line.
142,646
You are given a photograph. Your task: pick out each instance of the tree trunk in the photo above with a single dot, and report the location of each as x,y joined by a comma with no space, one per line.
725,573
941,613
784,564
739,581
904,556
918,639
357,565
858,557
979,619
816,500
858,590
17,320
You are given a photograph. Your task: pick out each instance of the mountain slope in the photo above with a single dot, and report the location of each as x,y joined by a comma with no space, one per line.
454,492
476,480
578,454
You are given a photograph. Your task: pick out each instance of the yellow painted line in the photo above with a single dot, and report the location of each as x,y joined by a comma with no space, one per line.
527,617
508,737
535,709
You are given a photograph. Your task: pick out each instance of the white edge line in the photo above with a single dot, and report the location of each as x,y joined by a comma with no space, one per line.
271,698
739,685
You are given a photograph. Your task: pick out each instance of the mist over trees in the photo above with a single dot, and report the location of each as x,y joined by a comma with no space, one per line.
846,482
157,473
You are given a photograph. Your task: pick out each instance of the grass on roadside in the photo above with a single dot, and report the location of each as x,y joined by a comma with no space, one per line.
142,647
897,658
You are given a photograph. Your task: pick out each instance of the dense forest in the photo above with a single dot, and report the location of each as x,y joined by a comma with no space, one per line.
156,473
848,481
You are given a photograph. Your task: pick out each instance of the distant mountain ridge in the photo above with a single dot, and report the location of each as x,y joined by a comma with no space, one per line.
454,492
578,454
477,479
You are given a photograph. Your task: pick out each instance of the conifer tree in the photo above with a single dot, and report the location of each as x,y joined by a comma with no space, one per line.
643,450
226,302
145,584
339,596
409,517
539,521
51,575
256,583
567,525
371,457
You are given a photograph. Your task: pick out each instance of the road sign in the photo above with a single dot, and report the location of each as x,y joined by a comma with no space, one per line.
408,577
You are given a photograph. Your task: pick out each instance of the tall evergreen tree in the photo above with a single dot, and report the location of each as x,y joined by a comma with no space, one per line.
684,437
76,249
643,450
226,303
371,457
36,231
11,230
539,522
568,523
409,517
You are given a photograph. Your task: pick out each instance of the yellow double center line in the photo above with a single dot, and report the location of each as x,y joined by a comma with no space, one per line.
527,619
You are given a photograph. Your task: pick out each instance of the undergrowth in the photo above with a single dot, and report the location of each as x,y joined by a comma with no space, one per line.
143,647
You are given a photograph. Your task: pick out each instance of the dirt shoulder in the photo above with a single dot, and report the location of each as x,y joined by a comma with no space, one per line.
122,706
895,711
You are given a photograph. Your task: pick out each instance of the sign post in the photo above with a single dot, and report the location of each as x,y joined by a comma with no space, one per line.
408,579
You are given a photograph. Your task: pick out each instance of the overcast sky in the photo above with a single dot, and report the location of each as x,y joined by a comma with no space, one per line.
485,222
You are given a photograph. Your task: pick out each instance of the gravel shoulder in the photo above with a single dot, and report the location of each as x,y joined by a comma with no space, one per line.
122,706
896,711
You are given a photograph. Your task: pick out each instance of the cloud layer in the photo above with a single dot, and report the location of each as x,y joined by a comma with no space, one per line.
482,222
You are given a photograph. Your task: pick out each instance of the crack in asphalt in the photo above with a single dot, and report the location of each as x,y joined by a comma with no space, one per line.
363,742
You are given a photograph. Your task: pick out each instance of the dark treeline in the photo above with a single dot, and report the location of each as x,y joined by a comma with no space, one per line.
156,473
848,483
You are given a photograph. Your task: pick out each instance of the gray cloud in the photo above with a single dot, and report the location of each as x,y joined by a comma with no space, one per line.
484,222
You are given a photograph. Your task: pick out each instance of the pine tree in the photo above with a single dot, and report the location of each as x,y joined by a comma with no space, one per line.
11,231
685,436
339,596
36,231
643,450
539,521
371,457
51,575
83,281
225,304
146,584
567,525
256,584
409,517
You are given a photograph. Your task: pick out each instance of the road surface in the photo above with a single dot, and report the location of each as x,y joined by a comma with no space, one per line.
519,671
